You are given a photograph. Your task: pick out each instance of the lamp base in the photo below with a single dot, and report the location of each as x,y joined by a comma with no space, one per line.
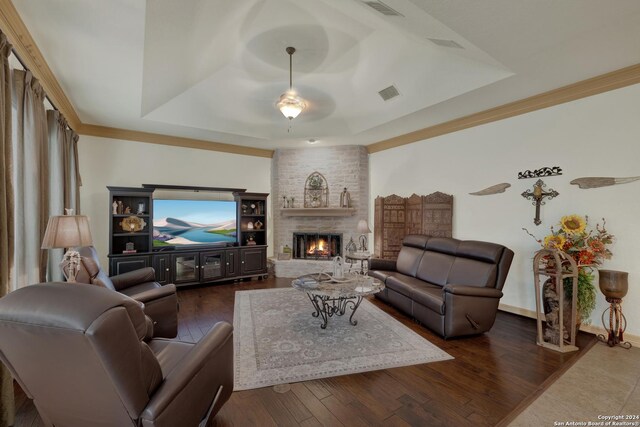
363,242
70,265
617,325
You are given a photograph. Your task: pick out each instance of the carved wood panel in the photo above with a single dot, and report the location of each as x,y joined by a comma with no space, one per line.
389,211
395,217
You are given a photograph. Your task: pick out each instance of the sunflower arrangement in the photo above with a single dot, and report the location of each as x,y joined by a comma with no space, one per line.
588,247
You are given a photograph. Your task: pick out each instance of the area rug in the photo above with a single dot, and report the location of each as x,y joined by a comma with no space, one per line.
277,341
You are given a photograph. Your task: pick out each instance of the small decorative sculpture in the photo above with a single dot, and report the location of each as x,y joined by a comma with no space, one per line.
597,182
249,225
538,195
338,267
345,199
114,207
120,208
258,224
140,208
494,189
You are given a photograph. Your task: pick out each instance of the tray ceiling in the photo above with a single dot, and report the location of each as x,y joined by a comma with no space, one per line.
213,70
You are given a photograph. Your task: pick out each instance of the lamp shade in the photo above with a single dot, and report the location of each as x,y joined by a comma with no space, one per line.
290,105
67,231
363,227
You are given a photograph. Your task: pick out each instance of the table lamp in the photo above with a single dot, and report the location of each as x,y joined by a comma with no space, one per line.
363,229
68,231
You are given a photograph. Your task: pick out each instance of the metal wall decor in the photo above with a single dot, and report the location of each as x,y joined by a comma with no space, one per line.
494,189
545,171
537,197
596,182
316,191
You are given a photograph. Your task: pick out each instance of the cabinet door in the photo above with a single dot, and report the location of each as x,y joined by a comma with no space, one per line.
186,268
212,265
162,266
232,265
126,264
253,261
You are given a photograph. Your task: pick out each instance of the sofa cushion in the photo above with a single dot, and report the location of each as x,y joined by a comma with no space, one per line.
482,251
427,294
434,267
403,284
431,296
470,272
408,260
445,245
380,274
415,241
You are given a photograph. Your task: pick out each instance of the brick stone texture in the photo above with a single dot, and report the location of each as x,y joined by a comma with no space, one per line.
342,166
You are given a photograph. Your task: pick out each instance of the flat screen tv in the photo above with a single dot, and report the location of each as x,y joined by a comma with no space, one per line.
193,222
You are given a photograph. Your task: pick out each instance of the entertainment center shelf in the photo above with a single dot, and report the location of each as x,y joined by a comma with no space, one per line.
186,262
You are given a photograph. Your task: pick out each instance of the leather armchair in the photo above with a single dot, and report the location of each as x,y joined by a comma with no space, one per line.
78,352
160,302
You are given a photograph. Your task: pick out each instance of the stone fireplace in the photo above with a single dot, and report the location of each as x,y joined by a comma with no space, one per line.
316,245
341,166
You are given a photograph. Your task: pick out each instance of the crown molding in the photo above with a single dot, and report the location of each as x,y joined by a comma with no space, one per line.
24,45
613,80
176,141
26,48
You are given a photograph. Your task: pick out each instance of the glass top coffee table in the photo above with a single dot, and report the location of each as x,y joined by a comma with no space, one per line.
330,296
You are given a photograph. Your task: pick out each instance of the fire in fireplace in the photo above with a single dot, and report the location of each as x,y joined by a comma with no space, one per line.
316,245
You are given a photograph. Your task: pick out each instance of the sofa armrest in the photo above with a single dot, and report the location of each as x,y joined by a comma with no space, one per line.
382,264
208,363
473,291
135,277
155,293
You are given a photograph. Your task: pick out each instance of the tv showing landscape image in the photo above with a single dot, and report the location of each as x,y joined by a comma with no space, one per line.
193,222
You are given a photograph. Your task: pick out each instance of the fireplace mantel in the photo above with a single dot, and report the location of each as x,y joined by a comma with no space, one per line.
318,211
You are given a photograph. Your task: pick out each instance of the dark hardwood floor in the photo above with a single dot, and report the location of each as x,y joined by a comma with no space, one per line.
492,378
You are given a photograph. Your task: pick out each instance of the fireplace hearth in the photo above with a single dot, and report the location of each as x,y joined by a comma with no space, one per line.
319,246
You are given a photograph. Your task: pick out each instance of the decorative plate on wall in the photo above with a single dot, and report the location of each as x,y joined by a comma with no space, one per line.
132,224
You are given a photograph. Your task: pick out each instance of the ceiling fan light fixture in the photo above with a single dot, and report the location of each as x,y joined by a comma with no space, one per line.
290,104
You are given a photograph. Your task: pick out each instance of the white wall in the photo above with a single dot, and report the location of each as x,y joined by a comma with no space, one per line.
595,136
110,162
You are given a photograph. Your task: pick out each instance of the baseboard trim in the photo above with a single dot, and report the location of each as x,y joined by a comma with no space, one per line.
592,329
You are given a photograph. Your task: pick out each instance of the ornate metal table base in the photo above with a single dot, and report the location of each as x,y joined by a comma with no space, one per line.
327,307
617,324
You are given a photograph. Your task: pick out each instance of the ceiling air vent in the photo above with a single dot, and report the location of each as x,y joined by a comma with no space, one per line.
388,93
446,43
382,8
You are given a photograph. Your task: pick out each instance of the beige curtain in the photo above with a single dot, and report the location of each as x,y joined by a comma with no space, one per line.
64,179
7,405
31,189
72,180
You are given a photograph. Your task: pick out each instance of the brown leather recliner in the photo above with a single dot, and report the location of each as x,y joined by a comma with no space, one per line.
160,302
77,351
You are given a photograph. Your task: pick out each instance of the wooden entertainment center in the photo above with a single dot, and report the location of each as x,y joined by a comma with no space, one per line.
246,257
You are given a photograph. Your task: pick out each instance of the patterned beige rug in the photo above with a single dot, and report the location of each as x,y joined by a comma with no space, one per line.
277,341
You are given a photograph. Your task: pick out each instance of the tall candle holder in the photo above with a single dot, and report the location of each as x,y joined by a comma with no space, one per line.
614,285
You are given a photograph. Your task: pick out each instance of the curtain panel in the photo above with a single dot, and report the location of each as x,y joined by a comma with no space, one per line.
7,405
64,179
31,188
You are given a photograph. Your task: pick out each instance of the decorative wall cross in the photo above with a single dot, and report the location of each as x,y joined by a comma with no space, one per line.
537,196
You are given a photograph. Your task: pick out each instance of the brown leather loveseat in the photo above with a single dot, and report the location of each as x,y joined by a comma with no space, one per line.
451,286
78,352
